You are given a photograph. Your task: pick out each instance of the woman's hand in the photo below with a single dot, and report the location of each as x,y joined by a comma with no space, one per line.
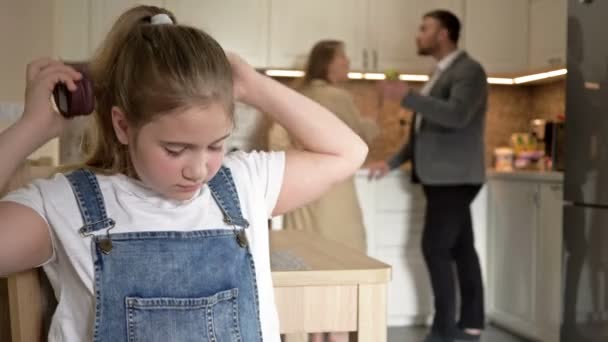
42,76
377,169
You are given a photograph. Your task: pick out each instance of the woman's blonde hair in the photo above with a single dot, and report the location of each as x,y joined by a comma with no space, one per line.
148,70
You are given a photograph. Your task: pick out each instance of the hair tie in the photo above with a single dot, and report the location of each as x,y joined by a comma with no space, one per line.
161,18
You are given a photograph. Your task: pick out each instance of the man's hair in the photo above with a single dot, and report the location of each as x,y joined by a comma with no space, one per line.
447,20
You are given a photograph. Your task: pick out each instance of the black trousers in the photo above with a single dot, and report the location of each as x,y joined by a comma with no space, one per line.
448,241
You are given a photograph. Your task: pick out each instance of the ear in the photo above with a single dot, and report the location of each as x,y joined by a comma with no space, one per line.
121,126
444,35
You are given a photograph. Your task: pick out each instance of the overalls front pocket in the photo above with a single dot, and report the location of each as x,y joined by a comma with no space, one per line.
213,318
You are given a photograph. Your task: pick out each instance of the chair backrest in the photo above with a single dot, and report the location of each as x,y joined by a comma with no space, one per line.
31,300
31,306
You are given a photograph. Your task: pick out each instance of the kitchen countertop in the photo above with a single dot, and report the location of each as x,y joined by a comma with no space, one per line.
527,175
399,172
524,175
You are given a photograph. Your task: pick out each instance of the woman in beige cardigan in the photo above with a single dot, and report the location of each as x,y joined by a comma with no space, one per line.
337,215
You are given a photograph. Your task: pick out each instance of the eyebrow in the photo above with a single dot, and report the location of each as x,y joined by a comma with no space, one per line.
181,144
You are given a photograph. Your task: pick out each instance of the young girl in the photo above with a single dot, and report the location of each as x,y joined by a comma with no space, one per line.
159,237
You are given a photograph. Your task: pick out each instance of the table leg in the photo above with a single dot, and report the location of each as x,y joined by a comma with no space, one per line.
372,314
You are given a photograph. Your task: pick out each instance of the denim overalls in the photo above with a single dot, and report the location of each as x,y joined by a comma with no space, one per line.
171,286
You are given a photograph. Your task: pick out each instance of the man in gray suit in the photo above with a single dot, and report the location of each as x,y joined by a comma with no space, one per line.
446,149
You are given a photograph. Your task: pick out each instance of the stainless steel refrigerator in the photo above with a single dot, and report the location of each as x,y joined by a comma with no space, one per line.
585,251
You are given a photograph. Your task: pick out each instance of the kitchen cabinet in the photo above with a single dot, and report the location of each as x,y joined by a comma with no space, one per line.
378,34
393,25
505,36
393,212
79,26
295,26
513,238
103,14
71,35
548,22
239,26
26,35
550,261
525,231
496,34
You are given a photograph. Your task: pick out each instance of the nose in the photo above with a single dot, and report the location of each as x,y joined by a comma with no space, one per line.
195,169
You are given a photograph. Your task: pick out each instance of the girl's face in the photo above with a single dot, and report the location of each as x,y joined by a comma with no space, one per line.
176,153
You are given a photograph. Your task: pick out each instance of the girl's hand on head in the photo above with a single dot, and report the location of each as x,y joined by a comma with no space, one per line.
244,77
42,76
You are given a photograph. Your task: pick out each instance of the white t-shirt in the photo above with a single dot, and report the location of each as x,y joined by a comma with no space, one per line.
258,177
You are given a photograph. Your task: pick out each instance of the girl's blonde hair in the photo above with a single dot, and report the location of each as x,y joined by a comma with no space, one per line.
148,70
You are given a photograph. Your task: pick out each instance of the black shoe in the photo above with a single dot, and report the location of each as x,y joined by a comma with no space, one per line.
435,337
462,336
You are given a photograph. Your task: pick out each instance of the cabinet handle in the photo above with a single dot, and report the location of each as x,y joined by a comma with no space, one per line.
536,199
554,61
556,187
364,59
375,59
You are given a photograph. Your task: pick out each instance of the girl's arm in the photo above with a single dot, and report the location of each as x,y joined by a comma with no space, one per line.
331,151
25,240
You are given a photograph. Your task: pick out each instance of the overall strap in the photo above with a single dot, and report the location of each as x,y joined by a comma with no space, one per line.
90,201
224,192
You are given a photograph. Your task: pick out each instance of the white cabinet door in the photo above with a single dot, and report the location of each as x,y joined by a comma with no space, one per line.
71,30
103,14
549,270
512,251
295,26
479,213
239,26
393,25
410,296
496,34
548,19
393,210
26,34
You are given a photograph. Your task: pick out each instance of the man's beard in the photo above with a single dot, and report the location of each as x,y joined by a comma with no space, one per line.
426,51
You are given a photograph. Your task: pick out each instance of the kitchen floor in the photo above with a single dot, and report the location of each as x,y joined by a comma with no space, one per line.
417,334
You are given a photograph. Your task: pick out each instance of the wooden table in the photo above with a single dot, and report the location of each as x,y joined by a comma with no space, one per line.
324,286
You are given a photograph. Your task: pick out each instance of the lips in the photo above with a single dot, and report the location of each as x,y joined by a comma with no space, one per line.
189,188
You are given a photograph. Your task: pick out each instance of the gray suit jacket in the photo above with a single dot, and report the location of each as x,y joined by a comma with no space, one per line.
449,147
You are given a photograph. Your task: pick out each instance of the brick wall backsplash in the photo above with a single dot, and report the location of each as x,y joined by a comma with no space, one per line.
510,109
549,100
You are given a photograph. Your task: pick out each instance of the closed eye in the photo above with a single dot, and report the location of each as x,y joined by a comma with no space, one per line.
216,147
174,152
